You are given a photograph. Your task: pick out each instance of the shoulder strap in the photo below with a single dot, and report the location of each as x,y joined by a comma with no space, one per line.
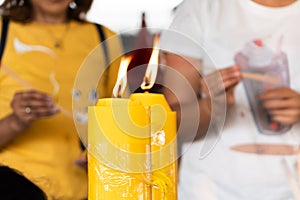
5,23
104,44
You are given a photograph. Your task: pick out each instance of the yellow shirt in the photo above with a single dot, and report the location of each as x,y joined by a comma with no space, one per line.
46,151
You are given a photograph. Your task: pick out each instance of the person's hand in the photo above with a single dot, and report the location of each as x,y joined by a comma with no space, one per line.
230,77
283,104
30,105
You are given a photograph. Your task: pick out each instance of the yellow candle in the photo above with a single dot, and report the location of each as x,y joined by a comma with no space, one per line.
132,149
118,146
163,145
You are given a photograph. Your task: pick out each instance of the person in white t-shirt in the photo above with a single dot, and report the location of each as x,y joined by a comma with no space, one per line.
215,31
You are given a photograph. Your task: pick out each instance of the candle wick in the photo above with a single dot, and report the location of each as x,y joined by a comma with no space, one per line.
147,81
119,94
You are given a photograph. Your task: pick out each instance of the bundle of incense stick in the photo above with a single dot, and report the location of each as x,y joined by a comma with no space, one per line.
292,180
263,78
254,76
267,149
298,162
28,86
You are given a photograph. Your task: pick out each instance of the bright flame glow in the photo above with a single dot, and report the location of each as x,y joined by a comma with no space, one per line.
122,77
151,72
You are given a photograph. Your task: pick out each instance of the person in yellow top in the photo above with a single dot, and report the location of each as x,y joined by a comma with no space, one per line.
45,44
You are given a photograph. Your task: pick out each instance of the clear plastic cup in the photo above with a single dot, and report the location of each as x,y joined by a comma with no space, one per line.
256,58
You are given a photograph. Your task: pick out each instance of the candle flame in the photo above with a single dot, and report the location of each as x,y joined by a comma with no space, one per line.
122,77
151,72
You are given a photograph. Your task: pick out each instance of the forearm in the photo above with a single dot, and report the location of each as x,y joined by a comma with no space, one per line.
40,105
10,127
193,119
182,83
205,117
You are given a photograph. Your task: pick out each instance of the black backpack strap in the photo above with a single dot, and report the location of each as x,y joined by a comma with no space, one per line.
106,55
104,44
5,23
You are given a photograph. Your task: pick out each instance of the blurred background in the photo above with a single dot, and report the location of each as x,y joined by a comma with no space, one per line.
125,18
122,15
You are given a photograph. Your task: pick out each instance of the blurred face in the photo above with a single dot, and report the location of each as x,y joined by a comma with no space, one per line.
50,8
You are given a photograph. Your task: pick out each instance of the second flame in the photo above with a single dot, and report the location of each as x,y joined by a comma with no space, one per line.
151,72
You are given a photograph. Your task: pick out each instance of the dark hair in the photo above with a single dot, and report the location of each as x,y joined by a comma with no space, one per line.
13,185
21,10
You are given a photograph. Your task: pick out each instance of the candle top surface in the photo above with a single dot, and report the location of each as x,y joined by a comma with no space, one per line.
150,99
117,102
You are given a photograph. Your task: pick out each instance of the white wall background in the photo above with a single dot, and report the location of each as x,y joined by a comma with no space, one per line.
125,15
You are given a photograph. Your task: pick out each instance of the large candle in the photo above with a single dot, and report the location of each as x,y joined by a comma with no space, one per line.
132,149
132,143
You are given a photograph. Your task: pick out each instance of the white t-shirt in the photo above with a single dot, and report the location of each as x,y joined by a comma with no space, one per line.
222,27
